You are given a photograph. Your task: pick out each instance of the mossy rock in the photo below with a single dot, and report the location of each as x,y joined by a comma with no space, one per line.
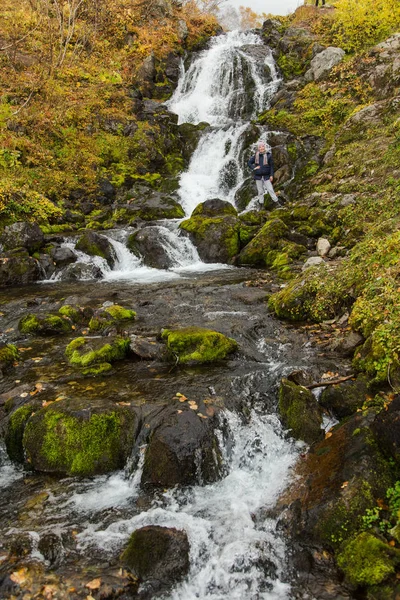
367,560
15,431
216,238
344,399
93,356
77,314
112,316
48,325
214,208
300,412
97,245
293,302
269,238
198,345
70,437
8,355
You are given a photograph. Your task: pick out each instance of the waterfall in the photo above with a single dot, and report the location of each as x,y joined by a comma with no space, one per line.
226,86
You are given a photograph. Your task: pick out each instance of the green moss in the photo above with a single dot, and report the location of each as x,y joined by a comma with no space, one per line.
9,354
55,324
71,312
97,324
97,369
299,411
225,209
194,344
95,359
15,431
29,324
367,561
119,313
56,441
270,237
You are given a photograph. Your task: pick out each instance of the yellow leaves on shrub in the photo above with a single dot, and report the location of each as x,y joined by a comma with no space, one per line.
363,23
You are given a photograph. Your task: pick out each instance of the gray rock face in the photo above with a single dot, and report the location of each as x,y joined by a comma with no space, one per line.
78,271
344,399
146,347
22,235
323,62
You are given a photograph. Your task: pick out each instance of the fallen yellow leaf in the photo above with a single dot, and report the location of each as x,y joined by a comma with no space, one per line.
328,435
392,543
94,584
19,576
344,484
194,407
23,395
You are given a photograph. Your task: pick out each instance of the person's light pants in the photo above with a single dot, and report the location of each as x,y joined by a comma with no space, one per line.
265,185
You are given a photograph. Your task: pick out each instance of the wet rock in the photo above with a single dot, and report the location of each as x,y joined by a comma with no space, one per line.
8,355
300,412
173,62
77,437
158,555
150,245
19,270
245,193
300,377
190,135
22,234
80,271
97,245
347,343
216,238
386,428
47,265
51,547
197,345
14,431
146,347
337,481
183,449
63,256
343,399
21,545
323,62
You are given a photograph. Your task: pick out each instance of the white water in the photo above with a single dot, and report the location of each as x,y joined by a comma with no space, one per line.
211,91
229,541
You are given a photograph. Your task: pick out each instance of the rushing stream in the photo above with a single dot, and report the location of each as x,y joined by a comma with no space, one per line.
236,551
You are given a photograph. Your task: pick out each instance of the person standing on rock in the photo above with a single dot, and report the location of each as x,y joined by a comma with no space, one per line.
263,171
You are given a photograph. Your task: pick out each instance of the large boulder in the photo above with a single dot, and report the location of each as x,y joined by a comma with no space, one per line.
216,238
80,271
324,62
113,316
19,269
197,345
300,412
183,448
157,555
97,245
150,244
22,235
148,205
214,208
73,437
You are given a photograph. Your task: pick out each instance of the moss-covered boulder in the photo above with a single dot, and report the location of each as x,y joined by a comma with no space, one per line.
300,412
77,314
197,345
115,316
214,208
149,205
15,431
367,560
19,270
183,448
72,437
8,355
50,324
216,238
271,248
158,554
93,356
386,428
294,301
97,245
343,399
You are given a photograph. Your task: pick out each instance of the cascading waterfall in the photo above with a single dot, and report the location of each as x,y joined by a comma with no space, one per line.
213,90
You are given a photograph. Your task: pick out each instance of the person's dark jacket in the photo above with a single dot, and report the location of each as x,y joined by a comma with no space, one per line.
266,166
